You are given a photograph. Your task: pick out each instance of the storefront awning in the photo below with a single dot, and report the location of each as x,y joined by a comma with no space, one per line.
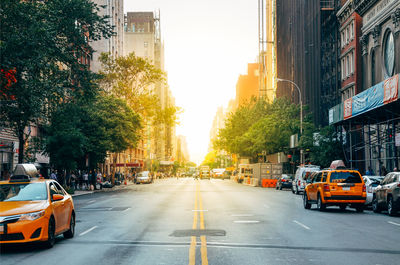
375,97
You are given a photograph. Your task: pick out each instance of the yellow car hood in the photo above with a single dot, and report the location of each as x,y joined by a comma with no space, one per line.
20,207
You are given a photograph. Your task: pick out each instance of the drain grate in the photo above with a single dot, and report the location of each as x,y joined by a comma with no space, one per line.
198,232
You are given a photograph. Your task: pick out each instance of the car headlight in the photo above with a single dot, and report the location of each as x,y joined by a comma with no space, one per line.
31,216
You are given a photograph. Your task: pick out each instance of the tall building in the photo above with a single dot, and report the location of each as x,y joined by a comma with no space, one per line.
369,113
142,36
307,53
114,9
247,86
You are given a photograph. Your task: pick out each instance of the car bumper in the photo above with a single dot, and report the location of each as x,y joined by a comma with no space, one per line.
25,231
345,199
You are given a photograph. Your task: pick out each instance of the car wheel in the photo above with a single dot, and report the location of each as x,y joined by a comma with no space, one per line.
343,207
277,187
280,188
51,234
375,206
70,233
360,208
320,205
390,209
306,204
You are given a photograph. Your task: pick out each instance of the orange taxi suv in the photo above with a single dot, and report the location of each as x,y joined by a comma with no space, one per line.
338,187
34,209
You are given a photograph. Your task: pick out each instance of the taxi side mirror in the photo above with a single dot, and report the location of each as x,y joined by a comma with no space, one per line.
57,197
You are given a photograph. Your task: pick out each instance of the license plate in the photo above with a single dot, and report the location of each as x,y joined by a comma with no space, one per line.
345,188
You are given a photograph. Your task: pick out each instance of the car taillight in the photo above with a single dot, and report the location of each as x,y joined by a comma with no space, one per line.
398,185
326,187
283,180
364,188
298,183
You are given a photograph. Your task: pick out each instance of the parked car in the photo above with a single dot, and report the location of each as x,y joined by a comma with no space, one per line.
339,187
285,181
34,209
371,182
300,177
387,194
144,177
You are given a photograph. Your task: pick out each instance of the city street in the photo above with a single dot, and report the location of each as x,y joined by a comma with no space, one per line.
186,221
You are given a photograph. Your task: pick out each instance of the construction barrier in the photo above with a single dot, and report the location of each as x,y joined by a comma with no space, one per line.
269,183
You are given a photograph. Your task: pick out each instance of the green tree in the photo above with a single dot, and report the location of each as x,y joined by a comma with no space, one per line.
259,126
324,145
131,78
40,43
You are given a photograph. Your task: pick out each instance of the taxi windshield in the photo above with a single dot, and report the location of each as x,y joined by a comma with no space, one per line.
345,177
23,192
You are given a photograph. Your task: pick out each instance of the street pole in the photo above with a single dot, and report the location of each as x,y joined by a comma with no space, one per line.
301,112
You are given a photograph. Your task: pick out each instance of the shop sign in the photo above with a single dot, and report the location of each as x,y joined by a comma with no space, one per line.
397,139
347,108
390,89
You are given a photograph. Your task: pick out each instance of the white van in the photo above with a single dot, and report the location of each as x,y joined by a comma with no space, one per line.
302,173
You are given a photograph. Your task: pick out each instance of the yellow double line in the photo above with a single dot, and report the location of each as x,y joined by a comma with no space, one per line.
198,202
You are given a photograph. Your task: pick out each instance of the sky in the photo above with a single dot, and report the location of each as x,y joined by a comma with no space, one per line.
208,44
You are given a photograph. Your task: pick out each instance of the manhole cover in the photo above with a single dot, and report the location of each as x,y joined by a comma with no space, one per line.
198,232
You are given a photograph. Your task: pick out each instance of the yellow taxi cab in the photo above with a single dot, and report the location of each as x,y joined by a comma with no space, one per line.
34,209
338,187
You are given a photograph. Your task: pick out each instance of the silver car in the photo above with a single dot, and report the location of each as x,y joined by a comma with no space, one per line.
144,177
371,182
387,194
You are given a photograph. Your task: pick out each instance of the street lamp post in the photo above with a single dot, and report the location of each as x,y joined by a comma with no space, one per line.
301,112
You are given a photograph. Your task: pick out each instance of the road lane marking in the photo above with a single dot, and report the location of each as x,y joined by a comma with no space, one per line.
192,249
302,225
91,201
203,249
246,221
393,223
87,231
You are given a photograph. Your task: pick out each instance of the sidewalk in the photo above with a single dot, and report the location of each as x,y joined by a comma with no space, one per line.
117,187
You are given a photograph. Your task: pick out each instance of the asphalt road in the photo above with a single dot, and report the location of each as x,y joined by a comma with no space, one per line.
215,222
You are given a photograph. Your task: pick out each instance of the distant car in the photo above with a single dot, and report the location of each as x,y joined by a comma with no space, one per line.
34,209
217,173
340,187
205,174
387,194
285,181
144,177
371,182
227,174
302,173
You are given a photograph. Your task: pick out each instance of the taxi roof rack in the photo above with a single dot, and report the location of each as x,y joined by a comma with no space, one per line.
20,178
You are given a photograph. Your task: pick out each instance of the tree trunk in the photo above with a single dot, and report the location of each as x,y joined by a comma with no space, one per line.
114,169
21,146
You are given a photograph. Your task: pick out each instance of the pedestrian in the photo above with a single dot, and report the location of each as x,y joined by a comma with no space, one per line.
53,175
369,172
383,171
73,180
99,179
86,180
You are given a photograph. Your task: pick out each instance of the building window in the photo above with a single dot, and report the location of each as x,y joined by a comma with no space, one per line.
347,66
347,35
343,39
352,30
389,54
